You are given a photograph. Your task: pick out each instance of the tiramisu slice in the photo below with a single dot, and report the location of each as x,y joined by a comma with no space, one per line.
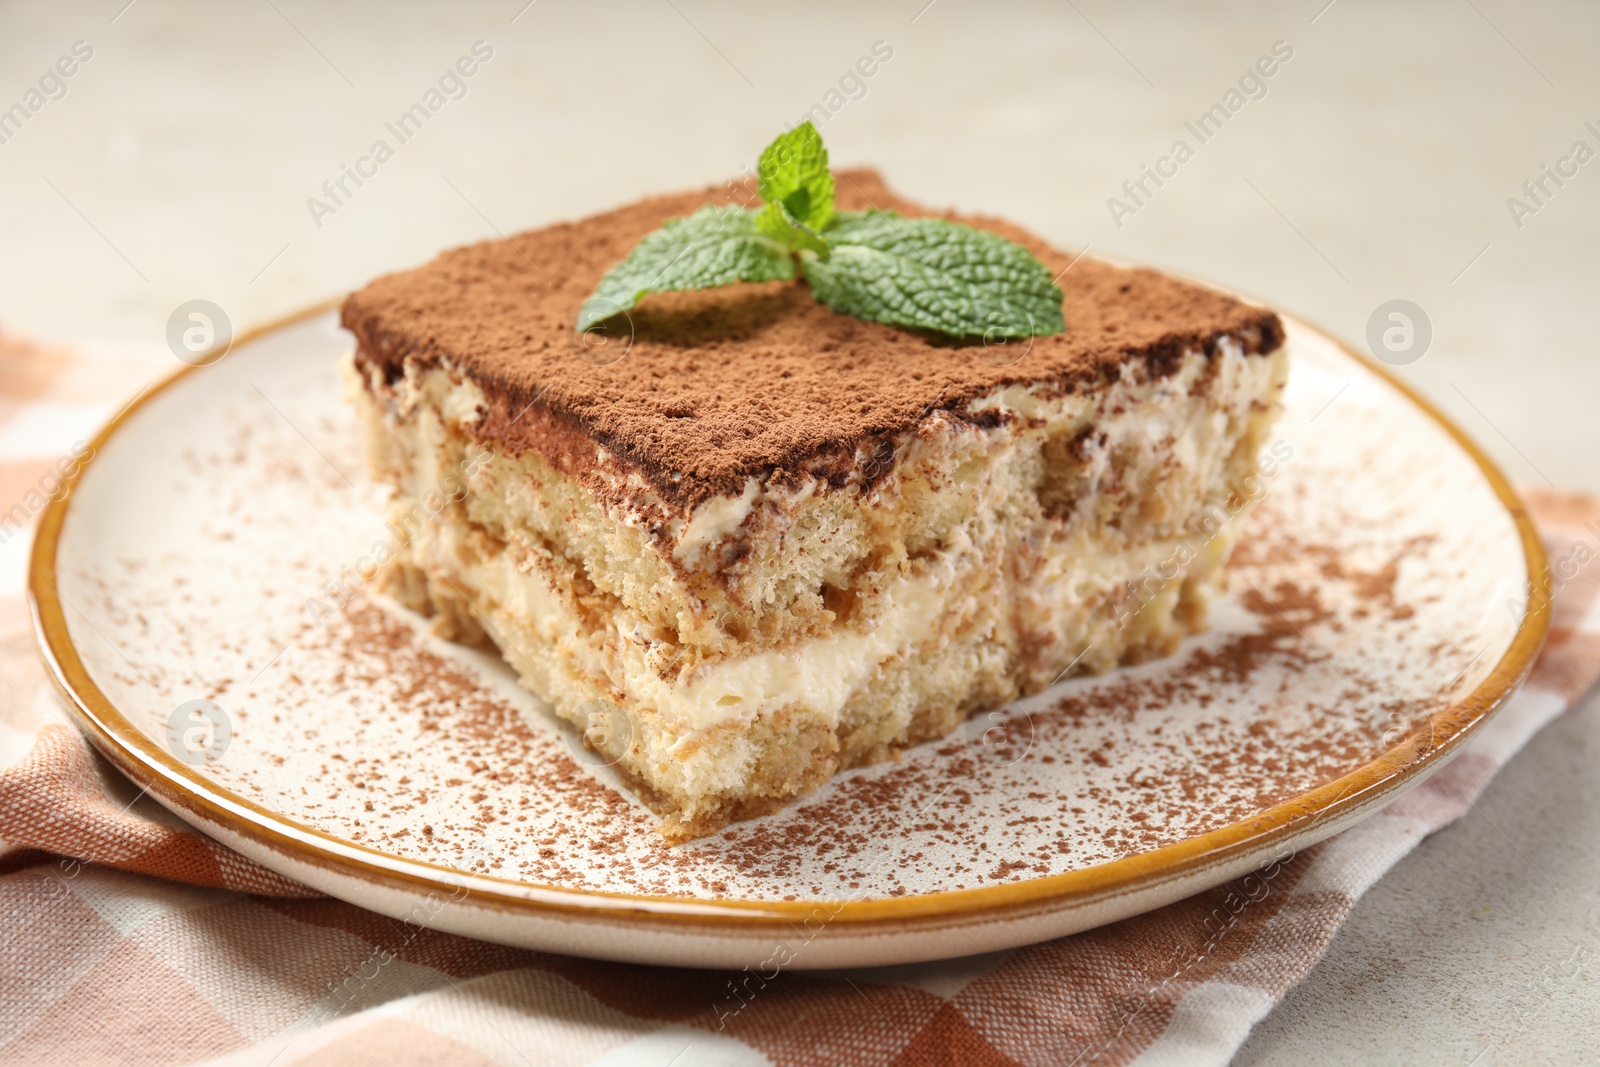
750,540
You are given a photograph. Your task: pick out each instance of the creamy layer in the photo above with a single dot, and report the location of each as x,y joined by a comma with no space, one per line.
821,673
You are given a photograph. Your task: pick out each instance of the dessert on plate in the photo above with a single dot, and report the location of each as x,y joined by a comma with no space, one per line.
760,538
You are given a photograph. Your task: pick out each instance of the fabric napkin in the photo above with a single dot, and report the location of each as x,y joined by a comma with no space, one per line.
132,939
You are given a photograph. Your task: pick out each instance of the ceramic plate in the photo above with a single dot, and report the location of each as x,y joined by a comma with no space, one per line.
199,600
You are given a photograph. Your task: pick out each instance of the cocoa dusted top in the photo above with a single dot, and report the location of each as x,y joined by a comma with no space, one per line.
696,391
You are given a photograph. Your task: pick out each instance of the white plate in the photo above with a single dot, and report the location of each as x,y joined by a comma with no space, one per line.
1372,622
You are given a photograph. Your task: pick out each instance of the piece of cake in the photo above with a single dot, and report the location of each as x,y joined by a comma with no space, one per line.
750,541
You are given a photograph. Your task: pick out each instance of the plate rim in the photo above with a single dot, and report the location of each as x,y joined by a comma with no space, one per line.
182,789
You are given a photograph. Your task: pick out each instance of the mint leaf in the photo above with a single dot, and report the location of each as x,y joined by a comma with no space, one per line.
793,172
934,275
776,222
715,246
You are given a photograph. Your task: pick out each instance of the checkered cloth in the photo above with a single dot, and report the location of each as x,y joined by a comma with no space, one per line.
131,939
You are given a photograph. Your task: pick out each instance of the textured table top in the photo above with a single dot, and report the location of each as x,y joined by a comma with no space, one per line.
1376,163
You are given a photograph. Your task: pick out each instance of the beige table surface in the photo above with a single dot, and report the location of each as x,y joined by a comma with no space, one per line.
1377,166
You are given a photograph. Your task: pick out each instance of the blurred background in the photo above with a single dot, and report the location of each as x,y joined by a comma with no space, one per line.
1425,152
179,159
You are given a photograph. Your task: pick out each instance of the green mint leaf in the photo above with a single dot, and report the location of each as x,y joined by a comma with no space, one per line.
776,222
715,246
793,172
934,275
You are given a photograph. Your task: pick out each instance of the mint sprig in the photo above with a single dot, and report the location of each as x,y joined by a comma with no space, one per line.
926,273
